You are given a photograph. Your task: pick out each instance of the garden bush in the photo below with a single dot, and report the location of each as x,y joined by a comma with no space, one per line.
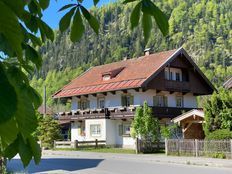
222,134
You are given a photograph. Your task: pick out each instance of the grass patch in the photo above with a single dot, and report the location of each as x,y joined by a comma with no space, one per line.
102,150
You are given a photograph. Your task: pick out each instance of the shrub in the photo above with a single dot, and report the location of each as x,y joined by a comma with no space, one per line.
222,134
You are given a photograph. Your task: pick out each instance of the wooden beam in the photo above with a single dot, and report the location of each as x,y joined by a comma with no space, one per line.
158,91
183,93
124,91
104,93
136,89
95,95
144,89
113,92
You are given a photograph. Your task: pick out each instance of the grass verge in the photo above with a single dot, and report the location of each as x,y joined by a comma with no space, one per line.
102,150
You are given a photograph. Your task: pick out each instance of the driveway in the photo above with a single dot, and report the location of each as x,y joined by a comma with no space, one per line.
102,163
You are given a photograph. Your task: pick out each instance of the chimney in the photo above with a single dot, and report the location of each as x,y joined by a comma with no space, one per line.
147,51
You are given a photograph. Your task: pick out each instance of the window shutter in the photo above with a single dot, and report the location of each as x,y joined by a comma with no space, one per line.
131,100
79,105
156,101
120,129
123,101
165,101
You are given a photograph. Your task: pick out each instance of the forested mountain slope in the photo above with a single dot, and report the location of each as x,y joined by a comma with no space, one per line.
203,28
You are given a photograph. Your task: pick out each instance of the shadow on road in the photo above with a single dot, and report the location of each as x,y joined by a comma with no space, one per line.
50,164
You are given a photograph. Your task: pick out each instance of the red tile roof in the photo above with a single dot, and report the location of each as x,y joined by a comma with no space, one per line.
132,75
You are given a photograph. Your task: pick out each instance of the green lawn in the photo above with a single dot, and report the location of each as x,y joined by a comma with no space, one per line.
102,150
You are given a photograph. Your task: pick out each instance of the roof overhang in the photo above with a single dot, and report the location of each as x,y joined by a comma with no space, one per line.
181,51
191,113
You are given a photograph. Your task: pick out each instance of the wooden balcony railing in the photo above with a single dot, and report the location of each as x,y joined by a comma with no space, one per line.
121,113
181,86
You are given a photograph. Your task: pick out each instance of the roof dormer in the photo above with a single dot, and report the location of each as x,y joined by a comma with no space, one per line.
111,74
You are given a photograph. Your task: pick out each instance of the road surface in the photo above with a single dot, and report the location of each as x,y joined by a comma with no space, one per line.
103,164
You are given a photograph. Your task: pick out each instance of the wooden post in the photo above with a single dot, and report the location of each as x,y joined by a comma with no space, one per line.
76,144
166,146
178,147
96,143
136,145
54,144
196,147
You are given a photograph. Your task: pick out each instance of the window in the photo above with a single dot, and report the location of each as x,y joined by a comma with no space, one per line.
127,100
177,76
83,104
124,129
160,100
170,76
101,103
166,74
95,130
179,101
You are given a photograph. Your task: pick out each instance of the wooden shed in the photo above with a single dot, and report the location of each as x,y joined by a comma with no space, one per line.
191,124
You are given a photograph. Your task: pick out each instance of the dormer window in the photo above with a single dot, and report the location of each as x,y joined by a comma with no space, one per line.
106,77
111,74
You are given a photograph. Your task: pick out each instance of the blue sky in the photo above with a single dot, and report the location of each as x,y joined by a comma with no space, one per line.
52,16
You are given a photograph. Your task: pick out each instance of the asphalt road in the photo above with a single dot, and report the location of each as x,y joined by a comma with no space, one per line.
103,165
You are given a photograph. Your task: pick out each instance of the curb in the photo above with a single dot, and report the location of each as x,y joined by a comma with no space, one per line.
210,162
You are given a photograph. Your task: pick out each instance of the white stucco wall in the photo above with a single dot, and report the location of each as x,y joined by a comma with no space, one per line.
112,100
190,101
89,122
109,132
75,132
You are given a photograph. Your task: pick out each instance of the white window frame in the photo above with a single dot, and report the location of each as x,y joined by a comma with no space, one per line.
101,99
181,101
161,100
95,130
123,129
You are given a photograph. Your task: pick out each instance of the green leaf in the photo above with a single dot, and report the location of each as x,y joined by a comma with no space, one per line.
135,16
149,7
35,40
35,97
35,148
8,132
16,6
11,29
66,19
77,28
147,25
12,149
95,2
44,4
25,151
93,22
8,98
34,8
25,114
128,1
32,55
45,30
67,6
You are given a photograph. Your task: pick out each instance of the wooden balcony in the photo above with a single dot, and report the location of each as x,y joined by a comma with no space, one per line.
169,112
121,113
179,86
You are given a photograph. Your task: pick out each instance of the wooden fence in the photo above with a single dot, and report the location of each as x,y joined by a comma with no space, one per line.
76,144
190,147
148,146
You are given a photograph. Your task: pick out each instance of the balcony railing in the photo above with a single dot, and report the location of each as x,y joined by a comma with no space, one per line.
181,86
120,113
